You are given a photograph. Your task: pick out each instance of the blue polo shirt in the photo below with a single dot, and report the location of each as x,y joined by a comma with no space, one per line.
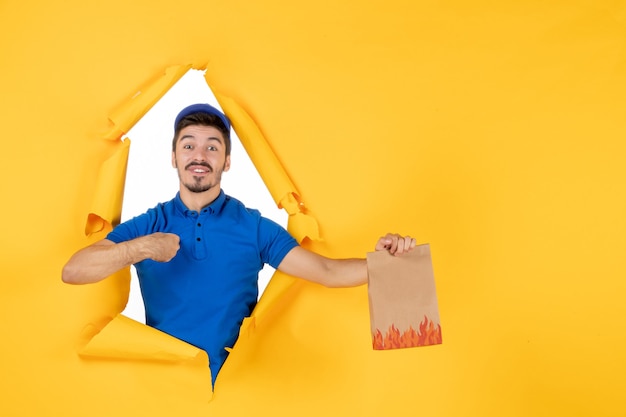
203,294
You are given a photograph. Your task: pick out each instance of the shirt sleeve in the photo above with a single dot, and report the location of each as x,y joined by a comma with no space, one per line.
130,229
274,242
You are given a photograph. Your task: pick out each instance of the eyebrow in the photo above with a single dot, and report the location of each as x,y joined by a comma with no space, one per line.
214,138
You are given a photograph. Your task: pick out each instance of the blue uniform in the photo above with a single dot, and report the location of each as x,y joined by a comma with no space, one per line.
203,294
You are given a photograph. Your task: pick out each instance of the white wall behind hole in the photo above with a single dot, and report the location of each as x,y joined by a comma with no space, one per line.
150,178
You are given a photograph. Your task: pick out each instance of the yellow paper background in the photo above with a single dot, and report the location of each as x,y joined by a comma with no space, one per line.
494,131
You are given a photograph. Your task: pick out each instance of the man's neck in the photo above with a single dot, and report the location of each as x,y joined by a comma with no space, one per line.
198,201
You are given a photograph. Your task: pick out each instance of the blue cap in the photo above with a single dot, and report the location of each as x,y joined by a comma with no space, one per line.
202,108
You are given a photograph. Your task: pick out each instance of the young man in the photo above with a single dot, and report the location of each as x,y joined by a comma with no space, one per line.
198,255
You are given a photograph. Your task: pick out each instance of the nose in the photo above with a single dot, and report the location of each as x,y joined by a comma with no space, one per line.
199,154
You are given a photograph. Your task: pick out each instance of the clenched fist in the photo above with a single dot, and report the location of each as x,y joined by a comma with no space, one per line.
160,247
395,243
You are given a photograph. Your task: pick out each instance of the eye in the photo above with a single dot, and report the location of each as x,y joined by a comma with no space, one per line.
186,146
212,148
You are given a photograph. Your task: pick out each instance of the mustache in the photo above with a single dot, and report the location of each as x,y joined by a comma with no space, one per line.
203,164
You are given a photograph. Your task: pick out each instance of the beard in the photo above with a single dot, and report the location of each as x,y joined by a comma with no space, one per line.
197,186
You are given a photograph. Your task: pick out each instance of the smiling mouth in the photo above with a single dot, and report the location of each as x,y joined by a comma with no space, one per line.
199,169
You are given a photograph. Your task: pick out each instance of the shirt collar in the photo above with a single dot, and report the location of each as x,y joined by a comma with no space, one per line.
214,207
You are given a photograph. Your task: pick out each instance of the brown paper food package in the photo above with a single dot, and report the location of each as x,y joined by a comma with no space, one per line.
403,300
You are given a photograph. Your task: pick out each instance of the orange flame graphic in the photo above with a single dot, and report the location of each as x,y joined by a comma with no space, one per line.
428,334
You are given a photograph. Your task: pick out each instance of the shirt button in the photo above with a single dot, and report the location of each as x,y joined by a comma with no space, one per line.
198,239
199,225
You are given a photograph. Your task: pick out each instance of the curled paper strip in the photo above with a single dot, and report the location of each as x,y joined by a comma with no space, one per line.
128,114
106,206
124,338
280,186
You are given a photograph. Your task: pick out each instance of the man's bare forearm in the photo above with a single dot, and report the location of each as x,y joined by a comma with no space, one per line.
98,261
301,263
104,258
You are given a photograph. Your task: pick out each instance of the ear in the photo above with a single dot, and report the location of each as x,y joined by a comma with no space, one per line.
227,163
174,165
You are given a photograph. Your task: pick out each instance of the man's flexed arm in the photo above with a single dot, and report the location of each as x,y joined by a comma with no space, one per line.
103,258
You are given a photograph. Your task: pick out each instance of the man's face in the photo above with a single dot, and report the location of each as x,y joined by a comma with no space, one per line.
200,157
